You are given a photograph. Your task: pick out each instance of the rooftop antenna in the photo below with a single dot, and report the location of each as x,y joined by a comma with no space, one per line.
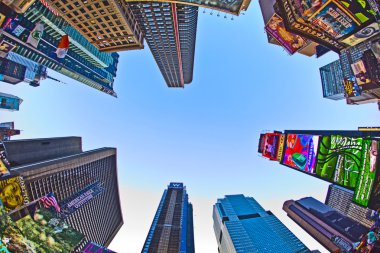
52,78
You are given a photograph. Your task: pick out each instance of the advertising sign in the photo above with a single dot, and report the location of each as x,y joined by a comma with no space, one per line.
291,42
307,8
14,28
281,144
13,193
335,19
2,19
301,152
375,48
362,35
45,233
339,159
360,72
84,196
4,163
367,172
6,47
294,23
361,9
92,247
351,88
270,147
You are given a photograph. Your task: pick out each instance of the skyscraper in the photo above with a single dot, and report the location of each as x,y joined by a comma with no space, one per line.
59,165
332,229
170,31
340,199
172,227
241,225
332,81
83,62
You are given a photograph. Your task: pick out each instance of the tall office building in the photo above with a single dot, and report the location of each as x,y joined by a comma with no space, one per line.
172,228
241,225
59,165
83,62
109,24
170,31
332,229
340,199
332,81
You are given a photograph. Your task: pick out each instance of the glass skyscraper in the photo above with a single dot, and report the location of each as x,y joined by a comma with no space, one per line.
172,227
241,225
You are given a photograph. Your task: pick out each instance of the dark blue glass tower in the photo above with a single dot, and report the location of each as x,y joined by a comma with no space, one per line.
172,227
241,225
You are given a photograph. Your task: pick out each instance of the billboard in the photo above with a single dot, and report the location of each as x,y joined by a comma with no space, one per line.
43,233
300,152
305,9
364,34
339,159
280,150
4,163
13,193
270,147
335,19
79,199
367,172
291,42
14,28
351,88
92,247
295,23
360,72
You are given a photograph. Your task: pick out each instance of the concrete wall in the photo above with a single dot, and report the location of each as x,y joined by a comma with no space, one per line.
20,152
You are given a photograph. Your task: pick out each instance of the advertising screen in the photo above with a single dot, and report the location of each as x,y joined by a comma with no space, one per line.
339,159
307,8
367,172
300,152
44,233
271,141
291,42
362,35
4,163
335,19
13,193
92,247
351,88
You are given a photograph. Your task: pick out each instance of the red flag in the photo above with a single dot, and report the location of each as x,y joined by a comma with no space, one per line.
63,47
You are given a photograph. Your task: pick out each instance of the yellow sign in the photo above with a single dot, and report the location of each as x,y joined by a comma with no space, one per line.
280,147
13,193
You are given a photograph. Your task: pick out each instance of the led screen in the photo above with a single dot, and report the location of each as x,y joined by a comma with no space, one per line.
270,147
300,152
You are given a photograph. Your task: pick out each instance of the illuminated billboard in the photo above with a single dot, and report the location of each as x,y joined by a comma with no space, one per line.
291,42
4,163
270,145
339,159
364,34
300,152
295,22
43,233
367,174
335,19
351,88
13,193
92,247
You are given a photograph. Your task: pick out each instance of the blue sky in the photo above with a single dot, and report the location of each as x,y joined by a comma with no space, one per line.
205,135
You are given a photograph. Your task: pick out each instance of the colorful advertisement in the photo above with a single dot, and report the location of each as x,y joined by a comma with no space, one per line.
306,8
351,88
367,173
361,9
335,19
14,28
360,72
339,159
281,144
92,247
271,141
294,23
291,42
6,47
45,233
364,34
375,48
4,163
301,152
80,199
13,193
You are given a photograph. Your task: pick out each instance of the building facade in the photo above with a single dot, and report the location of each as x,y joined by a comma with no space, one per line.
170,31
59,165
9,102
109,24
83,62
11,72
340,199
172,228
332,81
335,231
241,225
